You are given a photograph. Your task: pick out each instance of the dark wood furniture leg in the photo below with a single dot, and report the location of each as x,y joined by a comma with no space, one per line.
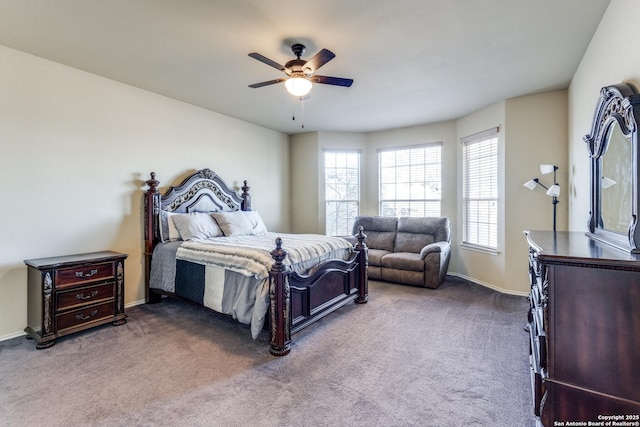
280,303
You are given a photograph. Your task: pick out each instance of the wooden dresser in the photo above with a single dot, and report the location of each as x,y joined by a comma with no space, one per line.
584,326
71,293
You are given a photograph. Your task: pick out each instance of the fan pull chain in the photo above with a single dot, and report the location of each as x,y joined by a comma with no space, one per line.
293,108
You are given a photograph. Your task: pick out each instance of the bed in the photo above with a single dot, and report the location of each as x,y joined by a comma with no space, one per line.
204,244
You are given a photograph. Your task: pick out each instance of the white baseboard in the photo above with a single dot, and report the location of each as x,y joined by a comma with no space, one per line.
13,335
22,333
134,303
487,285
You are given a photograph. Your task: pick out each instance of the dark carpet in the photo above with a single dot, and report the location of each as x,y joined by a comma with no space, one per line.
452,356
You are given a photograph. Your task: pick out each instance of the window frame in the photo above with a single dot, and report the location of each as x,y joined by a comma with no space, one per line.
426,201
490,225
350,220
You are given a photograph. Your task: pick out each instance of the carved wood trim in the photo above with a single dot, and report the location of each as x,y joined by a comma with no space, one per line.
617,104
280,303
47,291
119,285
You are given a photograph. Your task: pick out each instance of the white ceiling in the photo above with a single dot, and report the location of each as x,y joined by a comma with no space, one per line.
412,61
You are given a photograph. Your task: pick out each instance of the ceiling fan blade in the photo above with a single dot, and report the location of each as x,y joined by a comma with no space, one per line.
270,82
267,61
337,81
318,60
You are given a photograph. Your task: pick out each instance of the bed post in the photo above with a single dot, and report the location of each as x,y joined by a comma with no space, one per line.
279,303
151,206
363,261
246,197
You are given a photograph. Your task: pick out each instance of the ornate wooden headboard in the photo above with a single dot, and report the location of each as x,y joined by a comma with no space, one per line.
202,191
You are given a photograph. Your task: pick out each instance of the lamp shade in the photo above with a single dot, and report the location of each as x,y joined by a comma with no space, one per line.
531,184
545,169
607,182
298,86
554,190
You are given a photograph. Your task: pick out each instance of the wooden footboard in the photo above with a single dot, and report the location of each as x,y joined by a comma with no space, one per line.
297,301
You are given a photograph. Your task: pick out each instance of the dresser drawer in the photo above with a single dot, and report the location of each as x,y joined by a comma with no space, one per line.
86,295
84,274
84,315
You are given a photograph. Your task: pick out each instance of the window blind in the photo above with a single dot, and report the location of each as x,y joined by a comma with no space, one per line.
480,189
410,180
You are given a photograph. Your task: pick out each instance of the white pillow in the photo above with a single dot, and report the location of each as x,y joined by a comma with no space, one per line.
256,223
233,223
196,225
168,230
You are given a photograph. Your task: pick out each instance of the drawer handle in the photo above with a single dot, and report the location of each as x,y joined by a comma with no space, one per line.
89,274
83,296
83,317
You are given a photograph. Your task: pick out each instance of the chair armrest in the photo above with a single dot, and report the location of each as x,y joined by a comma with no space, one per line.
434,247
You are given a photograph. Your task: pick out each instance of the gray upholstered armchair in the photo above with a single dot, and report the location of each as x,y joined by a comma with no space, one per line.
407,250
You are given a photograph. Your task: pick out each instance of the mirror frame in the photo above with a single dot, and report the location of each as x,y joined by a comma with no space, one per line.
617,104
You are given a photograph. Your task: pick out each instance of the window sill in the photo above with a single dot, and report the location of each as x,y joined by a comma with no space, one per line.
477,248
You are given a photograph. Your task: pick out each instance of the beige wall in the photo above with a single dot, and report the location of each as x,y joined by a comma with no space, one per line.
535,133
305,176
611,58
75,151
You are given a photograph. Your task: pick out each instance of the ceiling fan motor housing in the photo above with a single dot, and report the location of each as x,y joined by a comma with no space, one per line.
298,49
295,67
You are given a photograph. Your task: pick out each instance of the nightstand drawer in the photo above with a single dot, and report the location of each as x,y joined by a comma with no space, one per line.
83,274
85,315
83,296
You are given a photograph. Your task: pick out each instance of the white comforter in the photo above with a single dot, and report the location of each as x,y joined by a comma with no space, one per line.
237,269
250,255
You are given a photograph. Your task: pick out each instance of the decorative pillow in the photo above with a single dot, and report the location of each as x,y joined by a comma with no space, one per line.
168,230
256,223
196,225
233,223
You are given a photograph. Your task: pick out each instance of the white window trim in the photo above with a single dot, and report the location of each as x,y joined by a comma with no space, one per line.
477,137
408,147
324,183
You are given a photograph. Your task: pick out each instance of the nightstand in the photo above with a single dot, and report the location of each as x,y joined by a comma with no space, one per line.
68,294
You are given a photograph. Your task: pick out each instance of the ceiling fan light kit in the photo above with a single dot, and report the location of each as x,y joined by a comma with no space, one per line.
298,85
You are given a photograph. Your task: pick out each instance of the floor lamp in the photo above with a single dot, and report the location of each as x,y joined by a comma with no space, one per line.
553,191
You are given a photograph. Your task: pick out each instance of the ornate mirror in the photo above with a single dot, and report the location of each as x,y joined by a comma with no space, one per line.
613,149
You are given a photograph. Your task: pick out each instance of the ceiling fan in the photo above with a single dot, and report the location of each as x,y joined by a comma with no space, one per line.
301,73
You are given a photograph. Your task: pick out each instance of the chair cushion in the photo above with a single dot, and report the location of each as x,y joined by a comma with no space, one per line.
415,233
375,273
380,231
403,261
375,256
405,277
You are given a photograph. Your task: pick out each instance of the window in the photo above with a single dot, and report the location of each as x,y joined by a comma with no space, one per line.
410,181
341,191
480,189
